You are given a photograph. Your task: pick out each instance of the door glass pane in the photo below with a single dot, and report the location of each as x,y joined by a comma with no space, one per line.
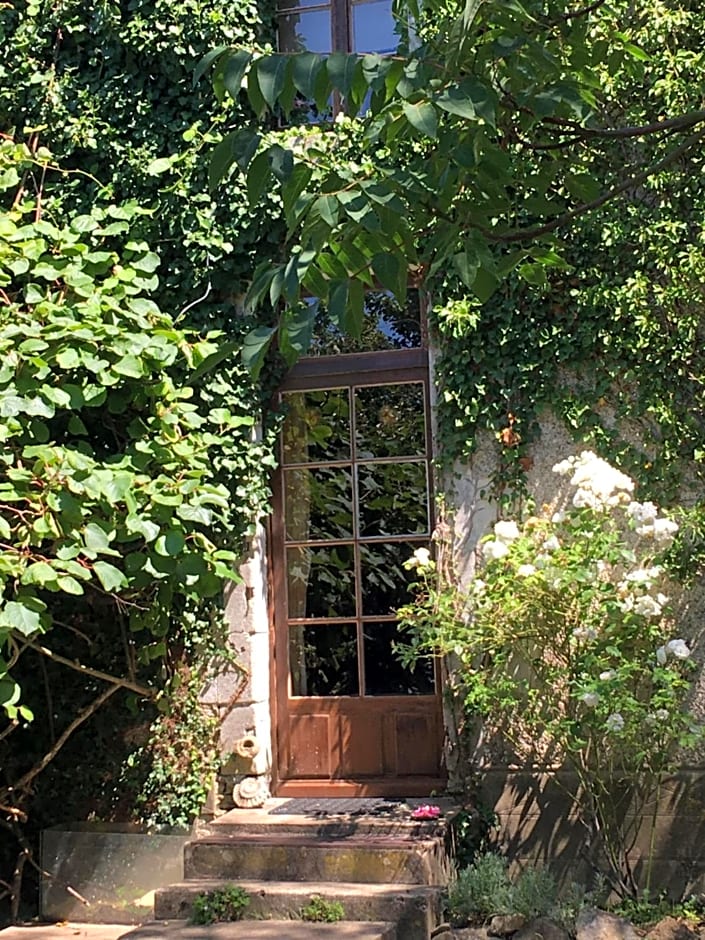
384,673
383,578
305,31
389,421
373,27
323,660
321,581
318,503
317,426
387,325
393,499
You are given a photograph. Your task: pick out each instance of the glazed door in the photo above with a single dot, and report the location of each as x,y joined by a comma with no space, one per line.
352,504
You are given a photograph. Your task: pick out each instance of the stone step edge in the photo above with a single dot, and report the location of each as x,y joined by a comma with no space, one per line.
415,908
314,840
264,929
299,892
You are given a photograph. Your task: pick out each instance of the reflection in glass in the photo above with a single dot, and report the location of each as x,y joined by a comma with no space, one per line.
317,426
308,31
389,421
321,581
374,27
318,503
384,673
393,498
323,660
387,325
383,579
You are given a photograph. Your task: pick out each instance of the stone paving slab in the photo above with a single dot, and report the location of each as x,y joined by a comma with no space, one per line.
264,930
64,931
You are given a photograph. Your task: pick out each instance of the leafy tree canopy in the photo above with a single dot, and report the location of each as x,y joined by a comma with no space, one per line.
496,126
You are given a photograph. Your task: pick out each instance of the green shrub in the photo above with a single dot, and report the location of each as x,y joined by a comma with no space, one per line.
480,891
320,911
221,904
485,889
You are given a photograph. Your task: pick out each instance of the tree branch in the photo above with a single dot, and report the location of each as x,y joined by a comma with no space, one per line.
518,235
680,123
89,671
82,716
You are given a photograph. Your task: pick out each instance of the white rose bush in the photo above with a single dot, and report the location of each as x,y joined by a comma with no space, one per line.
565,645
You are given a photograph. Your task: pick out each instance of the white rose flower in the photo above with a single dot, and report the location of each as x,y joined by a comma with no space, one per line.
585,633
661,655
614,722
607,675
565,466
559,516
647,606
506,530
642,513
551,544
664,529
423,557
678,648
590,698
494,550
525,571
662,714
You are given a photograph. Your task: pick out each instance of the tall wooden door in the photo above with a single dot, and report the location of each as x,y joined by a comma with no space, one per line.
352,503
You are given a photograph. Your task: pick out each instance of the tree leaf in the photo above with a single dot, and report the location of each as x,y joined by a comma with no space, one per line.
205,63
254,348
423,117
257,176
271,76
21,618
305,69
234,68
109,576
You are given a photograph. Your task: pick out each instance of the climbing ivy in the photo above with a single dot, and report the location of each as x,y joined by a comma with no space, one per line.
152,452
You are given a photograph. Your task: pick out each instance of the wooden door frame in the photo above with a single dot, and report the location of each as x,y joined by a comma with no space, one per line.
371,368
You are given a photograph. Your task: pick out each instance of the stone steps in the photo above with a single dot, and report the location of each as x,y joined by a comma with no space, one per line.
414,908
388,874
265,930
365,858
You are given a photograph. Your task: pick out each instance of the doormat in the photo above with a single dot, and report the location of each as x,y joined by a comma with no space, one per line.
363,806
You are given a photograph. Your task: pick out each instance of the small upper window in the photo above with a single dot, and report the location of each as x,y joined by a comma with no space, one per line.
337,26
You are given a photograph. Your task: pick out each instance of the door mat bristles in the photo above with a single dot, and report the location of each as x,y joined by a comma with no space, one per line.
363,806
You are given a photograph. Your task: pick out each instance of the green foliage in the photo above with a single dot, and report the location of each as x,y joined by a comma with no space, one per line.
470,832
647,910
564,644
133,469
485,889
321,911
171,774
221,904
107,482
481,890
